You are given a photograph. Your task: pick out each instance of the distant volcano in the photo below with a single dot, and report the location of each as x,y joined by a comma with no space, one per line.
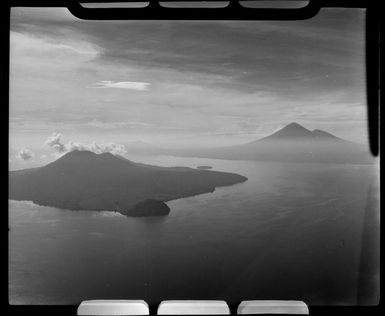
292,143
297,131
83,180
293,130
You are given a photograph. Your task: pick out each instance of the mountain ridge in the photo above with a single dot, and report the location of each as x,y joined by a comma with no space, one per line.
296,131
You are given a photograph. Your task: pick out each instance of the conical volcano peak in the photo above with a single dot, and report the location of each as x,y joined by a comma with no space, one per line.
292,130
294,125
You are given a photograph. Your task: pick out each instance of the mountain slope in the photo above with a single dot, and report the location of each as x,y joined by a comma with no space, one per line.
82,180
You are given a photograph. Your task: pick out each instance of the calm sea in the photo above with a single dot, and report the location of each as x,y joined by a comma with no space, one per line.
292,231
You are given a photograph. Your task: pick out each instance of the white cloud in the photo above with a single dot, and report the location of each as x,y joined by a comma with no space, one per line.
71,146
55,142
113,148
130,85
25,154
31,51
98,148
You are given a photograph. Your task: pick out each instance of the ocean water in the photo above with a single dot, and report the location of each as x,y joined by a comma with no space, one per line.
292,231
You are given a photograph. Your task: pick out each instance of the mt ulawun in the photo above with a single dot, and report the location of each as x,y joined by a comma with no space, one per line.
293,143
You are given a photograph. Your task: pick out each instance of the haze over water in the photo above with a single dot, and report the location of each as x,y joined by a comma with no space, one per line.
292,231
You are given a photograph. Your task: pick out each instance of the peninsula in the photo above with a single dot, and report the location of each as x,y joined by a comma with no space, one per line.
83,180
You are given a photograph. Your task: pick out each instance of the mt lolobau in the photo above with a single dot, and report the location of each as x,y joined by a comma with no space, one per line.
83,180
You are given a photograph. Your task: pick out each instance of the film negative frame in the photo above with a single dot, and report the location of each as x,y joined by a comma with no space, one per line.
234,11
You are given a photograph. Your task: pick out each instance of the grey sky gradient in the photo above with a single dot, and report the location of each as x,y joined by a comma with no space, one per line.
182,83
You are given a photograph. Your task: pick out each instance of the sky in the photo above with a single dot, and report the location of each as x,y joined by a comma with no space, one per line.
104,85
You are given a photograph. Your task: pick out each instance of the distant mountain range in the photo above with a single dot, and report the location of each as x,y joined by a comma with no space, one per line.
83,180
293,143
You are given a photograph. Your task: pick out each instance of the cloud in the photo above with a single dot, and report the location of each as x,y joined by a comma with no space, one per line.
98,148
55,142
204,77
25,154
47,52
273,54
130,85
71,146
113,148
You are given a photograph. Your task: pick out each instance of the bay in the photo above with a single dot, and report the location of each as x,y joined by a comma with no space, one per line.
292,231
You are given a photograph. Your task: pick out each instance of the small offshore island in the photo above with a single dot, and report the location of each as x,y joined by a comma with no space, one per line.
204,167
83,180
